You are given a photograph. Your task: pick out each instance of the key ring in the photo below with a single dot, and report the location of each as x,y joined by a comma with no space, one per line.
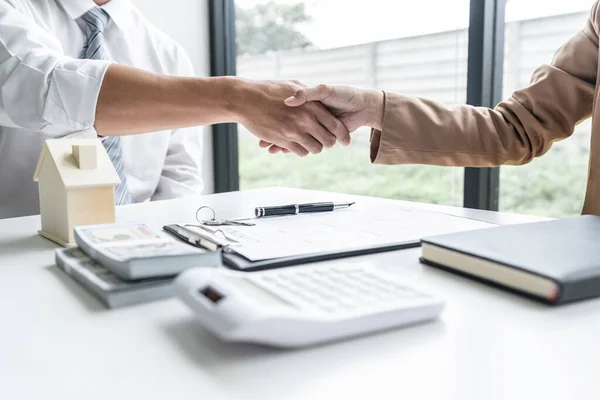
220,222
214,217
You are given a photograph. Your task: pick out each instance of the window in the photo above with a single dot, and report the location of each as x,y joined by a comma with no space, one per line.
552,185
379,43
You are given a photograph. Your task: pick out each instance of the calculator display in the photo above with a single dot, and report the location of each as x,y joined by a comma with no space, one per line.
211,294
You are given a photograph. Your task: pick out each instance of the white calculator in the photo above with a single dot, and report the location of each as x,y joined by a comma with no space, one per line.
303,306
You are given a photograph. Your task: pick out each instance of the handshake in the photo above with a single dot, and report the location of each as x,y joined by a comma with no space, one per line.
289,117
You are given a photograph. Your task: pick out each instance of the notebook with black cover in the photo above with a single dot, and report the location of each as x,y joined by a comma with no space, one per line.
554,261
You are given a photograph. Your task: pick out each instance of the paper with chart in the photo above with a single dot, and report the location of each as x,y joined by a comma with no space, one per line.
361,226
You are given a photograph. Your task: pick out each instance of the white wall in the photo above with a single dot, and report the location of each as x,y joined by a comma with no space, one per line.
186,21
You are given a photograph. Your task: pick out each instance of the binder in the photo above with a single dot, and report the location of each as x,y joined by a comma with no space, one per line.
236,261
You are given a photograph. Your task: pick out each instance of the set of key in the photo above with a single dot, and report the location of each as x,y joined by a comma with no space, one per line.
222,222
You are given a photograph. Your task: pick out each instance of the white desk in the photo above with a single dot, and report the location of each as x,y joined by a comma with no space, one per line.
58,342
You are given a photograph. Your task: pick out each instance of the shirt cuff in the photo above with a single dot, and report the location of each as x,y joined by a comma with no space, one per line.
85,134
73,97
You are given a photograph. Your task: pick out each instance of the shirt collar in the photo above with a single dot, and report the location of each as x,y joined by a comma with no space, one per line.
119,10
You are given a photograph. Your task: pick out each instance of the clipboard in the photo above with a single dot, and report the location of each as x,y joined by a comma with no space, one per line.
238,262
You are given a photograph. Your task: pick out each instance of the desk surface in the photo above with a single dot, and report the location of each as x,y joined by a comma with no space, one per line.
58,342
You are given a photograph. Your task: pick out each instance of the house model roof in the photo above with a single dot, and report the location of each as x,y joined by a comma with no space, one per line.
61,153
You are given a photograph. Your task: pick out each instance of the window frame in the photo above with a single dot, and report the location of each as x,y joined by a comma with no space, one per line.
223,63
484,88
485,74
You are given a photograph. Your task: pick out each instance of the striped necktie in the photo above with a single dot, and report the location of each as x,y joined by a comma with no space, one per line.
96,21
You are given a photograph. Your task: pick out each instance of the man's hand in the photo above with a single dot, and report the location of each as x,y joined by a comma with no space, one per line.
354,107
304,128
133,101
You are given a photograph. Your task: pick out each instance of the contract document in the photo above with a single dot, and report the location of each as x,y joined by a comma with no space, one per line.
362,226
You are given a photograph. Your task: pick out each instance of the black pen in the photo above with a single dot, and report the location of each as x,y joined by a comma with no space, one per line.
293,209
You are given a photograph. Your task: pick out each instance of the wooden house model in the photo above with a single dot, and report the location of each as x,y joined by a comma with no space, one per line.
76,181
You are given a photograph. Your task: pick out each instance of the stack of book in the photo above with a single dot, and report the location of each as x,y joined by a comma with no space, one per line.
129,264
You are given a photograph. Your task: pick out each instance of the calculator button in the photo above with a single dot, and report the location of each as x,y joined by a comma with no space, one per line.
304,276
328,309
347,270
282,286
348,306
323,295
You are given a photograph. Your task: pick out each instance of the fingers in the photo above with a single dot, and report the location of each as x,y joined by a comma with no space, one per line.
322,130
307,144
308,129
331,124
297,99
316,129
304,95
298,149
274,149
314,141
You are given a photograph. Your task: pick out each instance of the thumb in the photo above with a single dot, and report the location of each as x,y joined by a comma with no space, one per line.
304,95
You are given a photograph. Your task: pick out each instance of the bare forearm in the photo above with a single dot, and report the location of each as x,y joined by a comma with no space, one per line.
133,101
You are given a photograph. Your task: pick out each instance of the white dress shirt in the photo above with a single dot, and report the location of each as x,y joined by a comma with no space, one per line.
46,91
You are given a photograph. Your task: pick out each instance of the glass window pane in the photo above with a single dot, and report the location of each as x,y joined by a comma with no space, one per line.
552,185
382,44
